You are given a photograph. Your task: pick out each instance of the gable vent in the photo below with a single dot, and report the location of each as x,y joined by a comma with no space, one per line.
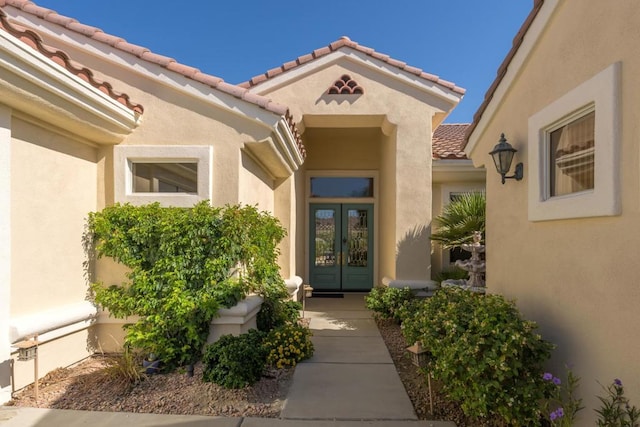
345,86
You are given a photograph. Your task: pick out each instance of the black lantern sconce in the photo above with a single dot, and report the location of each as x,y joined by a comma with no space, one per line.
503,156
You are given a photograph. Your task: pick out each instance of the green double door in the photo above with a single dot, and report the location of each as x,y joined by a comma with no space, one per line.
341,247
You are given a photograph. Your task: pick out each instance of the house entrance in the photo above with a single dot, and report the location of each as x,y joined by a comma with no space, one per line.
341,247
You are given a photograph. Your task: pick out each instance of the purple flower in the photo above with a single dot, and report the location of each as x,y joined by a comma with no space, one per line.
617,382
557,381
558,413
547,376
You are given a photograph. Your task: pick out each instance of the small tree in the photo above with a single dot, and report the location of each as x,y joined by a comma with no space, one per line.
460,219
185,263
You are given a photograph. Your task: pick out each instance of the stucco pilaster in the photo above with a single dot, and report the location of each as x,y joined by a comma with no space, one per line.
5,253
284,210
413,199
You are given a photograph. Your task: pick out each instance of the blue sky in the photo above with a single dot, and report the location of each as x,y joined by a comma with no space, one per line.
463,41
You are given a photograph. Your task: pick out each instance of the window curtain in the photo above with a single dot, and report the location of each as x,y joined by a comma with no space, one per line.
572,157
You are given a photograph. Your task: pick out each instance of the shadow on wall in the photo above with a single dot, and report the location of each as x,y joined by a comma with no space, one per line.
413,254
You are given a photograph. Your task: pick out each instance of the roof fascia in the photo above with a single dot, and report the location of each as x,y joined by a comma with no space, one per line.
146,69
463,170
529,41
362,58
105,119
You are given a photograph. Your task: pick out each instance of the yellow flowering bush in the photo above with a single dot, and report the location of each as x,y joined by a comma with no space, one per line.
287,345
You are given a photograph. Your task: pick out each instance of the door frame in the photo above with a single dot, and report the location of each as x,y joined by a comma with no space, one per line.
365,200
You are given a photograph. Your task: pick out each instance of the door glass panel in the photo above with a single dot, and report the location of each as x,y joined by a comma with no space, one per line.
325,238
341,187
357,237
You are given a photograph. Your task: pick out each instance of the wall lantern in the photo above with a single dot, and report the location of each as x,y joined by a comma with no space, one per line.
503,156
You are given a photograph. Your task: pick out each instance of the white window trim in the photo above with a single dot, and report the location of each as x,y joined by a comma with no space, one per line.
602,94
125,156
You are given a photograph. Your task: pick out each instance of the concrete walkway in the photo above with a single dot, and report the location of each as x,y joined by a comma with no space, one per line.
349,382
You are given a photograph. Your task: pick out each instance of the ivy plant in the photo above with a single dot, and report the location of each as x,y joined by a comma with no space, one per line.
185,263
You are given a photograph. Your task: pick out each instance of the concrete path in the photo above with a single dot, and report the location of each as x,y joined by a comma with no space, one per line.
349,382
351,375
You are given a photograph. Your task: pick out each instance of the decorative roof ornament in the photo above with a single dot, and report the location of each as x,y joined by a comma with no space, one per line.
345,85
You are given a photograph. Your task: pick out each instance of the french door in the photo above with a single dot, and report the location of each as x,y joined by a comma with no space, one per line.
341,246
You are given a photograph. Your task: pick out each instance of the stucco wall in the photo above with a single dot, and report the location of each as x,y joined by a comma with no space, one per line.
402,116
255,186
53,187
575,277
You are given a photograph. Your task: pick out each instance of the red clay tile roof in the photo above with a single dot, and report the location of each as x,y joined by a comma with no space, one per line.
33,40
346,42
502,70
163,61
448,141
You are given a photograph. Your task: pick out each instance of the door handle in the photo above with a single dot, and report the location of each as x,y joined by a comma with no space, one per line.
344,240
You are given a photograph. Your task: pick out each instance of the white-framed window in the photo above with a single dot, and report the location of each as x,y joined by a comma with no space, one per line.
573,152
174,175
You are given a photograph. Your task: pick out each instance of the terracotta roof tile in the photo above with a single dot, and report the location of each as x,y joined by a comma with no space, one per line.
33,39
161,60
502,70
448,141
346,42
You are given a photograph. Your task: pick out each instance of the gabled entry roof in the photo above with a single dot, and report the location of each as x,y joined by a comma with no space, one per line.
346,42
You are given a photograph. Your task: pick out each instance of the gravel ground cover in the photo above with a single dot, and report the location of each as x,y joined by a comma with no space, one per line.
88,386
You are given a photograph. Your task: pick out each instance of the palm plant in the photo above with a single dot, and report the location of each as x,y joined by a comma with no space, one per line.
460,219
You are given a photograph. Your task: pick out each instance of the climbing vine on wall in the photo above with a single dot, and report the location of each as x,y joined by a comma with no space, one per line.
185,263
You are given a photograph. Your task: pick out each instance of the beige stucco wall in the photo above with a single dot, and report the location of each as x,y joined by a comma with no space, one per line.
575,277
53,187
401,117
255,186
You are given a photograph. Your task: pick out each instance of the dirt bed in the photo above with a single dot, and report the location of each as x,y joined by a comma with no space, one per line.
88,386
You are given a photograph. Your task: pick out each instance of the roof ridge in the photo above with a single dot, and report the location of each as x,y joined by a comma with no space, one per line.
171,64
345,41
34,40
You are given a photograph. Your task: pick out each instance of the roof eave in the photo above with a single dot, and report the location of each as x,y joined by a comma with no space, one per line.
510,68
58,97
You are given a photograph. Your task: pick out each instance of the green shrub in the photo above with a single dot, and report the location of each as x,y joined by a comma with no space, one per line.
276,312
287,345
184,264
235,361
487,357
389,303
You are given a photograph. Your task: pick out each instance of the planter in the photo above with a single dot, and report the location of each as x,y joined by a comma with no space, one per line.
235,320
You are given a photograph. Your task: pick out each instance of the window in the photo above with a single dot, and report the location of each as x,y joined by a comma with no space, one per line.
571,156
165,177
171,175
341,187
573,152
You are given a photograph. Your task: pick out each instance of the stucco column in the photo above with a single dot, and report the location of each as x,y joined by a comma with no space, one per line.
284,211
413,200
5,253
